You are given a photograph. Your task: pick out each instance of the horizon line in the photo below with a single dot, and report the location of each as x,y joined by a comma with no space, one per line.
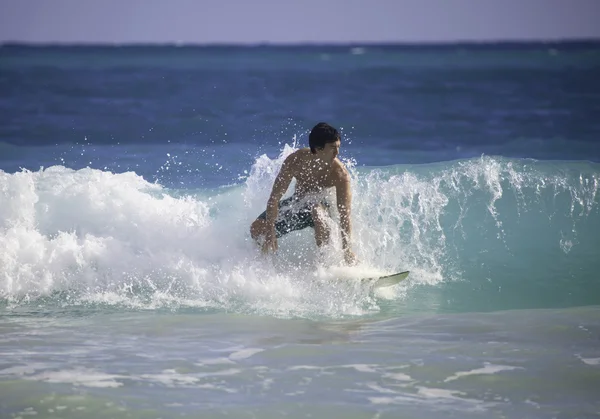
441,43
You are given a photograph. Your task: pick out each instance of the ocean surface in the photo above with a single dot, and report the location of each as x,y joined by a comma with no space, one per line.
130,288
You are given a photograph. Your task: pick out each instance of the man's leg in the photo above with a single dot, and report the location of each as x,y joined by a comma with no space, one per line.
258,228
321,227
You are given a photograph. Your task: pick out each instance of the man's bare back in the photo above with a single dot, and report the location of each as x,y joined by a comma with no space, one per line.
315,169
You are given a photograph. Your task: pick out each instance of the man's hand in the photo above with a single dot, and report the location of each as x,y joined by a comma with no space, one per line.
350,257
270,243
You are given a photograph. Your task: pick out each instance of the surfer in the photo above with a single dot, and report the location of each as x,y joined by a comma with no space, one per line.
315,169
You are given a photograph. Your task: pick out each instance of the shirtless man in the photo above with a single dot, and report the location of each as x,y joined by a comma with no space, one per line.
315,169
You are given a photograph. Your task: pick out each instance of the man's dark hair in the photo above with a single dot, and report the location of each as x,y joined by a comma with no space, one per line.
321,134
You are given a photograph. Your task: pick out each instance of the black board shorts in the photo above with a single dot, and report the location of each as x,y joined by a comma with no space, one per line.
293,215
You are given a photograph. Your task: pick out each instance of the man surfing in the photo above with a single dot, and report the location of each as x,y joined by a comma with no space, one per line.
315,169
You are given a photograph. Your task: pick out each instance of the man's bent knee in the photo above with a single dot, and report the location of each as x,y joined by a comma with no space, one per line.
257,228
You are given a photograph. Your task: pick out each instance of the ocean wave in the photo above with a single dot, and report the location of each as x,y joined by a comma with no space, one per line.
481,234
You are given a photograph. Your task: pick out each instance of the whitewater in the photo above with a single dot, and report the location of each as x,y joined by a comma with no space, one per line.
491,228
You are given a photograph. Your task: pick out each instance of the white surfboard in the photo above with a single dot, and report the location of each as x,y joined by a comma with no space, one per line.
387,280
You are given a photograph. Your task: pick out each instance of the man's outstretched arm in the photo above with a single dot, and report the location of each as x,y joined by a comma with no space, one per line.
281,184
344,205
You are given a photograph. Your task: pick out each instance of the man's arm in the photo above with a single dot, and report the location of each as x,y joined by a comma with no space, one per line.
281,184
344,205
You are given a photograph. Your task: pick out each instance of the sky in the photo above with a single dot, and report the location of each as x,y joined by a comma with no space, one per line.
295,21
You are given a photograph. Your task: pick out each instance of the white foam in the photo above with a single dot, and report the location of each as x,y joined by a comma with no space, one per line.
22,370
244,353
398,376
71,228
28,411
488,369
305,367
441,397
116,239
361,368
80,377
383,400
590,361
382,390
171,378
215,361
439,393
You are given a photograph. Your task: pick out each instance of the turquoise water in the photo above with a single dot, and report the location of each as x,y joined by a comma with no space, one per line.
129,286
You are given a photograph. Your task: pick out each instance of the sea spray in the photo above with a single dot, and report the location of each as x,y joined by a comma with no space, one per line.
490,228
